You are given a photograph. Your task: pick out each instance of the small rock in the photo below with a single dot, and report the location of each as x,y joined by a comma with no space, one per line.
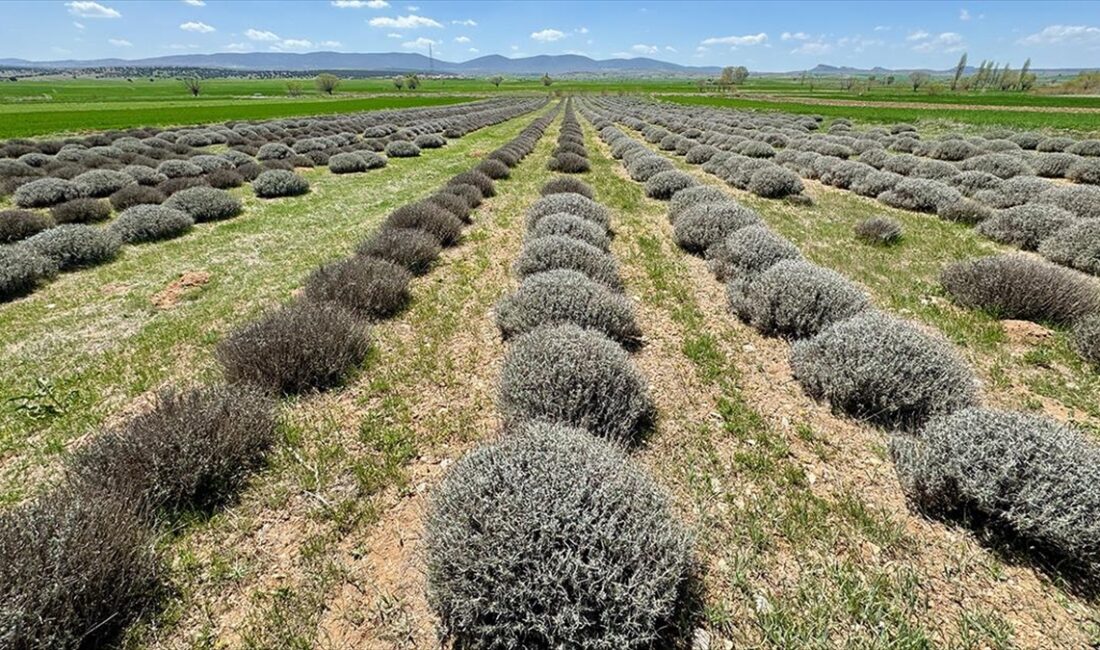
700,640
762,605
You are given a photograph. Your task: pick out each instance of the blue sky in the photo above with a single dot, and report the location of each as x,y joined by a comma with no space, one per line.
771,36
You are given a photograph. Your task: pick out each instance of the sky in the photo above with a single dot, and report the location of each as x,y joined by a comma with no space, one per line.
763,36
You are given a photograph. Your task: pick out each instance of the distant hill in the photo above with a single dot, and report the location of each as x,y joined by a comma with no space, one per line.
384,62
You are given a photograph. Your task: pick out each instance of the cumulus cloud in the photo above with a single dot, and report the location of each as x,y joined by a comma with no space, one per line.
462,39
330,44
944,42
669,48
964,15
644,49
295,43
747,39
548,35
403,22
394,35
359,4
238,47
120,42
918,35
197,27
796,36
813,48
419,44
473,50
260,35
87,9
194,3
465,23
1063,34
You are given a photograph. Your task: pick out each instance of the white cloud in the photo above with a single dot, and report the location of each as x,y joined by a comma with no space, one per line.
180,46
582,30
622,55
882,28
86,9
197,27
296,43
747,39
394,35
473,50
238,47
413,8
419,44
858,44
813,48
359,4
78,25
462,39
403,22
120,42
330,44
964,15
945,42
918,35
701,49
1063,35
796,36
515,48
194,3
644,49
260,35
669,48
548,35
465,23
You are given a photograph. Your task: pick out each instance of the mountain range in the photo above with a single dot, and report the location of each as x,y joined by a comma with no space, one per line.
403,62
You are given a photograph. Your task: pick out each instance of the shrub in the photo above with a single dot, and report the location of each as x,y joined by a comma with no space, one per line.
561,296
575,377
795,299
468,193
411,248
299,347
700,153
1076,246
1014,191
1086,338
567,225
430,141
567,185
568,163
558,252
1002,165
174,185
882,231
965,211
875,183
701,226
452,203
1081,200
132,195
81,211
75,568
493,168
275,183
533,541
429,217
972,182
774,182
953,150
483,183
402,149
224,179
883,369
44,192
1027,475
100,183
366,286
1022,287
73,246
510,158
920,194
1085,148
205,203
1025,225
1054,144
1053,165
179,168
664,185
694,196
937,169
748,251
574,204
646,166
1085,171
20,224
274,151
145,223
22,269
193,450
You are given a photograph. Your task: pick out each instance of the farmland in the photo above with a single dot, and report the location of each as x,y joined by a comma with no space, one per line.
468,364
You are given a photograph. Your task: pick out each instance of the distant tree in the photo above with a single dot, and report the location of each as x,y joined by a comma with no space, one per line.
496,81
959,68
294,88
412,81
1026,80
546,80
918,79
700,84
399,82
1008,78
740,74
193,85
889,80
732,76
327,83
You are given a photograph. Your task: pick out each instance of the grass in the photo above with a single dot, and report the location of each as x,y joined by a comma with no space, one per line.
80,349
1084,123
29,119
